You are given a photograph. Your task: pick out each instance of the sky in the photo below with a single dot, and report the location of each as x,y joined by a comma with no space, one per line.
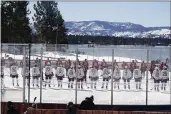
148,14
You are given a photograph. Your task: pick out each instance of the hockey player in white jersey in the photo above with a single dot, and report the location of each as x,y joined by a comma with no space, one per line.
126,77
26,74
80,77
156,77
48,73
106,74
71,76
92,73
14,73
138,77
100,71
116,77
164,78
60,74
36,75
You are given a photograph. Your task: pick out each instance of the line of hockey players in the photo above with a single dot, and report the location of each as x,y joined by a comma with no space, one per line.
93,71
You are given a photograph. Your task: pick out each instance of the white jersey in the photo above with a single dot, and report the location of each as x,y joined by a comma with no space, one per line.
117,74
106,73
48,70
35,71
92,72
60,71
71,73
100,72
80,73
2,70
164,74
137,73
126,74
156,74
13,70
26,71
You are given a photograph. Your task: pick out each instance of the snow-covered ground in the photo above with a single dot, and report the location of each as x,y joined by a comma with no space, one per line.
123,97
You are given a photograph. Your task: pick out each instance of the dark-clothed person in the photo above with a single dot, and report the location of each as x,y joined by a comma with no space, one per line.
87,104
11,109
71,108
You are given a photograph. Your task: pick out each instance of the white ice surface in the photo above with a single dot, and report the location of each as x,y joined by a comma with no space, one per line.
101,97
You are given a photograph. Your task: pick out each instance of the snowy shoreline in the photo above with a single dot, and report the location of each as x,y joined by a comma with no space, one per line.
81,57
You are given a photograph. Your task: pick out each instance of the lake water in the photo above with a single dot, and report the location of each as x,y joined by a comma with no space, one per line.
137,52
128,51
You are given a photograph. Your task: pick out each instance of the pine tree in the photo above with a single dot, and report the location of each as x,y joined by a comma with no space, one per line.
6,21
21,22
15,23
49,23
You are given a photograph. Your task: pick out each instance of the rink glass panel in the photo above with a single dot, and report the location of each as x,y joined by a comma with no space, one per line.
33,53
121,53
130,96
160,97
13,53
101,95
55,94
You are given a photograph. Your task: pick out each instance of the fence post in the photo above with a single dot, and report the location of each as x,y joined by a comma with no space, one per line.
170,71
24,66
147,76
29,73
41,73
112,77
76,76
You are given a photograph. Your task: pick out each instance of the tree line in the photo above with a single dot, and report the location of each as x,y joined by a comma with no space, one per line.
47,22
111,40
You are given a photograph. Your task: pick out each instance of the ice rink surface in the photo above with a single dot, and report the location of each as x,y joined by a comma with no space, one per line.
102,96
120,97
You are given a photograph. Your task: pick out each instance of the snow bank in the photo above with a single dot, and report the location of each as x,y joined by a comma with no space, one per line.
71,56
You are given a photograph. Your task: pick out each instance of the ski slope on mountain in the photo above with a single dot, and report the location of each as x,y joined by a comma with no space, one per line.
118,29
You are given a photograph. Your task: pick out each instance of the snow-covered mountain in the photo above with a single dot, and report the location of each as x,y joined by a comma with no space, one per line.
124,29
